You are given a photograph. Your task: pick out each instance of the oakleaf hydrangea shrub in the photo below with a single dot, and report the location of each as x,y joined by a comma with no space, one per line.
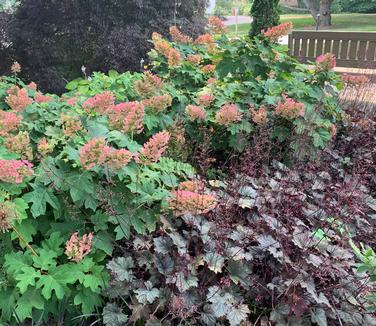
231,86
77,173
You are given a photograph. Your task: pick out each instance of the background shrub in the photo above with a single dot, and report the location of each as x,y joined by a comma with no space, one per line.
265,14
52,40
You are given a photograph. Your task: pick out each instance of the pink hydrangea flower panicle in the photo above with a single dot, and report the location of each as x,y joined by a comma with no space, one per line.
18,99
153,149
288,108
15,171
190,198
326,62
77,248
195,112
100,103
276,32
94,153
228,114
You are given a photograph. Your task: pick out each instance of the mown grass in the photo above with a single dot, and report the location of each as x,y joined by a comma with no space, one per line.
341,22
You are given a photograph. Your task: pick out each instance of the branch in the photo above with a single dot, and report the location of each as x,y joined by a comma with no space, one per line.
311,7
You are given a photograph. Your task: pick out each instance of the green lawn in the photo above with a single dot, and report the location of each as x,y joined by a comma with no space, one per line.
341,22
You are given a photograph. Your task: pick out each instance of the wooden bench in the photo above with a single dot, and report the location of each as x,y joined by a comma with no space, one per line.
352,49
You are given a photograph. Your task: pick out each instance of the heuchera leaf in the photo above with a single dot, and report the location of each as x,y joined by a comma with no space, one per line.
113,315
184,283
122,268
215,262
238,314
147,295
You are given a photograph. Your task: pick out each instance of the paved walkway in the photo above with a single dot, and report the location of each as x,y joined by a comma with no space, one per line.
231,20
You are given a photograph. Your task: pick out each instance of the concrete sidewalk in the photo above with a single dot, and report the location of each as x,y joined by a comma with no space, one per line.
231,20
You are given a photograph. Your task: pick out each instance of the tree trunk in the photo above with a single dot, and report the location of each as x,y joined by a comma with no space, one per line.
322,8
325,13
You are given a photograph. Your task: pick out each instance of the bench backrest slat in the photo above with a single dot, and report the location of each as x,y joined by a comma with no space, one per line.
352,49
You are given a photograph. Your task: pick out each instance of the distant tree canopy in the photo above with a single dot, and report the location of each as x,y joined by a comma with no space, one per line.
365,6
52,39
265,14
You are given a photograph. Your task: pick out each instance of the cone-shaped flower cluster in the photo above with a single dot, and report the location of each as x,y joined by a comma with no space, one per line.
195,112
158,103
96,152
9,122
128,117
326,62
150,85
178,37
216,25
77,248
194,59
41,98
14,171
276,32
44,147
20,144
18,99
188,198
153,149
8,213
71,125
100,103
260,116
288,108
228,114
205,99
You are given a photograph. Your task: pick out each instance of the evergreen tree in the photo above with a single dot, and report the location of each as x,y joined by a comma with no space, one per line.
265,14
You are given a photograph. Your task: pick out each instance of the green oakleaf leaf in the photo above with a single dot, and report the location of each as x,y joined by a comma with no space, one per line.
49,283
26,277
95,279
39,198
45,259
30,300
88,300
14,262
